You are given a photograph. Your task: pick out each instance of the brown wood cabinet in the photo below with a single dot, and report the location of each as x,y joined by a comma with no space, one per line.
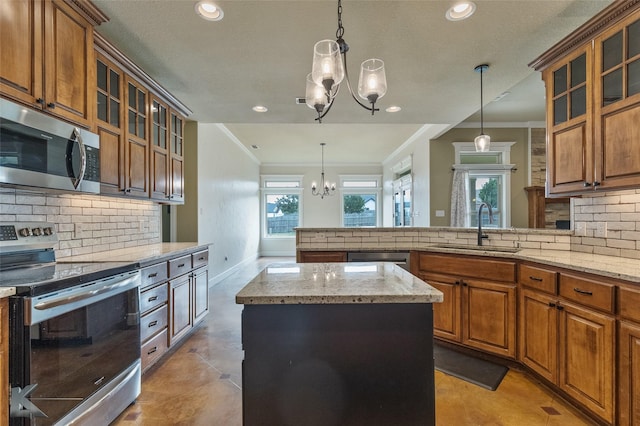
321,256
4,362
592,81
47,59
141,128
479,308
629,356
174,297
567,334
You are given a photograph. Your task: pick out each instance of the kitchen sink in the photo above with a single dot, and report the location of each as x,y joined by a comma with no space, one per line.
477,248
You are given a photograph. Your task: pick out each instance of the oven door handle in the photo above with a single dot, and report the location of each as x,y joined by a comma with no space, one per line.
54,305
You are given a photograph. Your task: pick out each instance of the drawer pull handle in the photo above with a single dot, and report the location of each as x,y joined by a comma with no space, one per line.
152,350
532,278
585,292
201,258
153,323
155,274
181,265
152,298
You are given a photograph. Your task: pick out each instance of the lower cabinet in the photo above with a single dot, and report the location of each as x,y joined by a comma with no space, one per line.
321,256
174,297
570,345
477,312
629,356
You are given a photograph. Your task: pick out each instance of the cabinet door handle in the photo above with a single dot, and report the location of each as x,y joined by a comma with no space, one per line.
560,308
40,101
51,105
152,298
532,278
587,184
552,305
155,274
457,283
585,292
596,183
153,323
463,283
152,350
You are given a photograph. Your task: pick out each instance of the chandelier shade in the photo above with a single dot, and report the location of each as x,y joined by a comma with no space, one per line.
315,96
327,69
372,84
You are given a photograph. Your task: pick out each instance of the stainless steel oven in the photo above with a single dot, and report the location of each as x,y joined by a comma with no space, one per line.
40,151
74,333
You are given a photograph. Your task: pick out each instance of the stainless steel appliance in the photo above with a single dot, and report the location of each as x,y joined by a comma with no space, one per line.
74,332
39,151
400,258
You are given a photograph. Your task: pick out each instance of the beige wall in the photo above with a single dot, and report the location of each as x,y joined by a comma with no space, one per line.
443,157
86,223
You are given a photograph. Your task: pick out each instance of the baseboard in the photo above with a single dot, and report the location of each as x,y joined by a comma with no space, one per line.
276,253
221,276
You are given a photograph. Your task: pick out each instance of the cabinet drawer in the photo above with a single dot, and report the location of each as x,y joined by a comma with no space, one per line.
628,302
538,278
153,349
200,258
467,266
153,274
588,292
154,297
179,266
153,322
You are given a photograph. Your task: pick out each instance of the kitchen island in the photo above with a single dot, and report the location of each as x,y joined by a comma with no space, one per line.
337,344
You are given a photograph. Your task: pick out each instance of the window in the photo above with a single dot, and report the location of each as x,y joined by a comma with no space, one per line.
281,205
488,180
402,201
360,195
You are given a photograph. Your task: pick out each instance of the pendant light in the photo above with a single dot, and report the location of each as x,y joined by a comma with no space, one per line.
482,141
329,69
326,188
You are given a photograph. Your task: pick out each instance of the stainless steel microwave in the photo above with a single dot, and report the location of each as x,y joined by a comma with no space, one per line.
40,151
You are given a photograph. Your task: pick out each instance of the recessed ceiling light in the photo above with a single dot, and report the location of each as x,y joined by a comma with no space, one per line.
393,108
260,108
209,10
461,10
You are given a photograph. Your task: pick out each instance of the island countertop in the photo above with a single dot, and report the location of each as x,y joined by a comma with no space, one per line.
336,283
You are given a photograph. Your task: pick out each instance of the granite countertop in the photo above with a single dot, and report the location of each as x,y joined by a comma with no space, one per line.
7,291
143,255
336,283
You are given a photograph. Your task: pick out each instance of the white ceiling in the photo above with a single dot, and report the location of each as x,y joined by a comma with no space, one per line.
261,52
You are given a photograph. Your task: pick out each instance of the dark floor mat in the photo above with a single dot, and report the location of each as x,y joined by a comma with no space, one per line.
473,370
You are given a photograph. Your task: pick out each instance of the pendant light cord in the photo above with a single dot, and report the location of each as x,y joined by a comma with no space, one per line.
481,103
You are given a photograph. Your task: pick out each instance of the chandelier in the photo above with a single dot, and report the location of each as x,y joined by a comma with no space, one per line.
482,141
327,189
329,69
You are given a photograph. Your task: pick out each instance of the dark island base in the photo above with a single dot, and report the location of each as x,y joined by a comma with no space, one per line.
308,365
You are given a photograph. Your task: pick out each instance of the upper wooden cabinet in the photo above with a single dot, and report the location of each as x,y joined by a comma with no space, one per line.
592,81
47,59
141,128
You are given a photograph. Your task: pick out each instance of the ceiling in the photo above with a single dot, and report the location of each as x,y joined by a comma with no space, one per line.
261,52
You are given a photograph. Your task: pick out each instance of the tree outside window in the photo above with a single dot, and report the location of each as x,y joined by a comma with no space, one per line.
359,210
282,211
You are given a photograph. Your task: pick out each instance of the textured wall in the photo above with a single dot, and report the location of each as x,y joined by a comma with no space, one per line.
86,223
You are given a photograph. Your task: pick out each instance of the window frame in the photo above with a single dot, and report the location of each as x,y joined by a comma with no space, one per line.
346,189
503,169
266,190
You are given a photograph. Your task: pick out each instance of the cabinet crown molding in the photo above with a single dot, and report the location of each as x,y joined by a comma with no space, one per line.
587,31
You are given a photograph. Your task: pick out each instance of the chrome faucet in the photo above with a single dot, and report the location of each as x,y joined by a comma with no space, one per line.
482,236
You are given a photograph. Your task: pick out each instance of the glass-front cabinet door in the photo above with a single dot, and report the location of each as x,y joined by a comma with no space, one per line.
617,104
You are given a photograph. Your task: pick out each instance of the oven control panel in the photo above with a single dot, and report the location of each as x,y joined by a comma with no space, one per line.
27,235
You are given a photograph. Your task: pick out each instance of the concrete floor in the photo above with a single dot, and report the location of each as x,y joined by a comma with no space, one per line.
200,383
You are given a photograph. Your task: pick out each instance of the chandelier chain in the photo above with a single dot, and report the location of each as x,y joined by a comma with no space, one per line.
340,30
